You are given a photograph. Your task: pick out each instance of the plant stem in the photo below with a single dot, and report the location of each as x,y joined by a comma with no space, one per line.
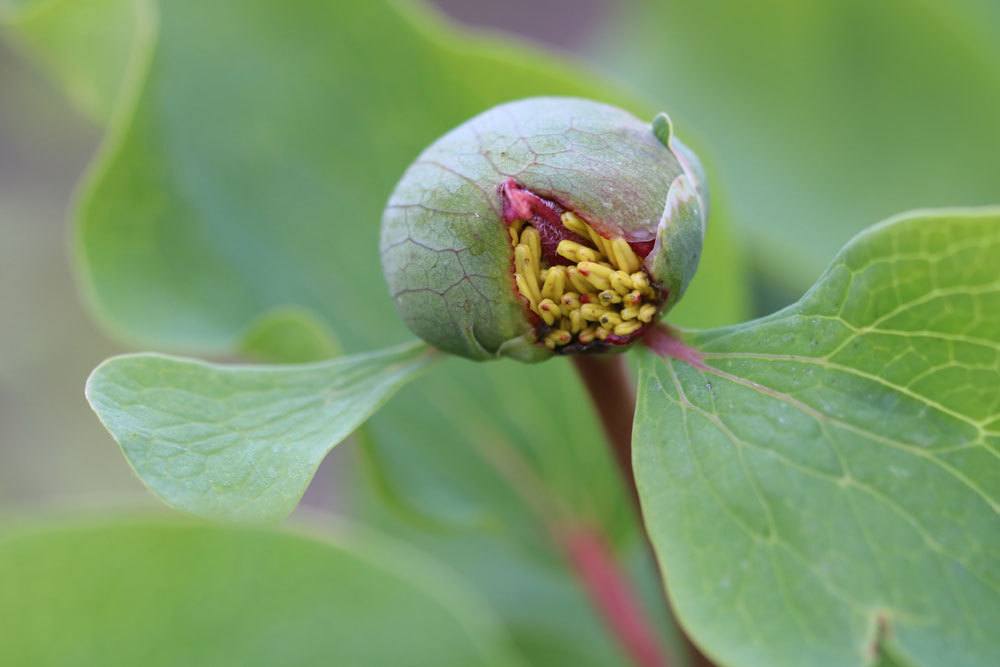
612,392
611,593
607,380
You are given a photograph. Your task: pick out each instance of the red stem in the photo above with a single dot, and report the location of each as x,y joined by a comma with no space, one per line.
611,594
607,380
612,392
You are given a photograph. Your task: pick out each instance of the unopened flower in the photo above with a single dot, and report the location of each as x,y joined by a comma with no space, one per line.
544,226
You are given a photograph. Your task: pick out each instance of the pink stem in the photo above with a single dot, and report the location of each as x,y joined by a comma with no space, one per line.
613,597
612,393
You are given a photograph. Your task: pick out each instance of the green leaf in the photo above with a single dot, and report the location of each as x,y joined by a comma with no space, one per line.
92,48
827,483
166,592
289,336
240,442
822,116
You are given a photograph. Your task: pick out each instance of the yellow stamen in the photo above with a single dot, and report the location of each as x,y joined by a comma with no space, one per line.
558,338
581,284
549,311
606,284
570,300
592,312
610,319
598,281
525,289
625,257
593,267
555,283
574,224
514,229
621,282
531,237
576,252
596,274
626,328
601,243
642,283
608,297
527,267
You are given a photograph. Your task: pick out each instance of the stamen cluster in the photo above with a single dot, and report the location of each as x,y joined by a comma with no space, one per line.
601,293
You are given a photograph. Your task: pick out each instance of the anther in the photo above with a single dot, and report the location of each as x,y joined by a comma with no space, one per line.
574,224
621,282
576,252
626,328
549,311
608,297
555,283
647,312
625,257
570,300
525,289
592,312
576,278
531,237
609,319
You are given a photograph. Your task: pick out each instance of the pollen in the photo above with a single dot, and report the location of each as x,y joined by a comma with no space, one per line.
591,291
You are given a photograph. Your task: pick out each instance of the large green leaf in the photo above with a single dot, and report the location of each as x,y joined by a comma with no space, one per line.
248,171
826,486
156,592
93,48
240,442
823,115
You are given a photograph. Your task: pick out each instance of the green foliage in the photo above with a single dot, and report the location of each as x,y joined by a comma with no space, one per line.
288,336
158,592
94,48
240,442
822,116
830,476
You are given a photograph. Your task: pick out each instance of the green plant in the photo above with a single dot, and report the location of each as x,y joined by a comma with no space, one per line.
818,485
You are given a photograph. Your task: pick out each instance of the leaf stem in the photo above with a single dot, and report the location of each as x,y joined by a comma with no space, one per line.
612,392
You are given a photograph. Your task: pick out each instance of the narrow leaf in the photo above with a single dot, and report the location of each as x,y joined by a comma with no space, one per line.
825,490
240,442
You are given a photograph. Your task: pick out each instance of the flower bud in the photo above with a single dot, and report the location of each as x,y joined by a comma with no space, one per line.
544,226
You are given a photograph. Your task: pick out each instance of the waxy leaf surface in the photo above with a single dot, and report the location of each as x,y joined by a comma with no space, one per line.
159,592
825,489
240,442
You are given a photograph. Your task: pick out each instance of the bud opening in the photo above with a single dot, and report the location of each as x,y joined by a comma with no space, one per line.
583,291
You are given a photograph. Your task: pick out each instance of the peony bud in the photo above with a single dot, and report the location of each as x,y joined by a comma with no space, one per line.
544,226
